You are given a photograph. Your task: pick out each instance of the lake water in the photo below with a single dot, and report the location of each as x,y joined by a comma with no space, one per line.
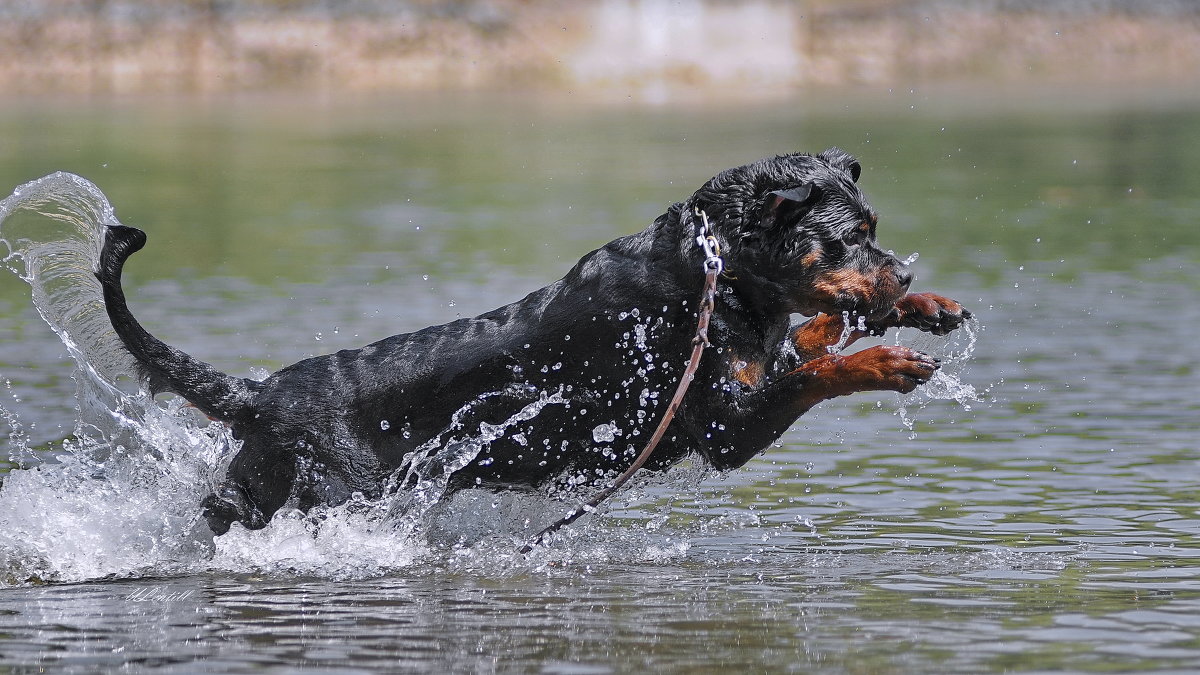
1049,519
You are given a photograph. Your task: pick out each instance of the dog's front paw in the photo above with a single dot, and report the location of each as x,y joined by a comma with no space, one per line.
928,312
884,368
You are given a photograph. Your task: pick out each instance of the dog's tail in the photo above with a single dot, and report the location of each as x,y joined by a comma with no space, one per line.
163,367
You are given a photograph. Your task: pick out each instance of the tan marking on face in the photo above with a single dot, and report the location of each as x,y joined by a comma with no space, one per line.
811,259
835,283
871,293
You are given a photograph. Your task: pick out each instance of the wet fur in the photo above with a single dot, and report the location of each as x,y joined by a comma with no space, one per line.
602,346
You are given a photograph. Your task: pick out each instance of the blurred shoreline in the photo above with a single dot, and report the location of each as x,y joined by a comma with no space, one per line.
647,48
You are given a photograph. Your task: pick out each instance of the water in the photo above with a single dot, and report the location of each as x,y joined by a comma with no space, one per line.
1035,509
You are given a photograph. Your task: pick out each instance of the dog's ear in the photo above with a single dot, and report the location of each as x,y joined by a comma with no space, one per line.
799,198
841,159
799,194
789,204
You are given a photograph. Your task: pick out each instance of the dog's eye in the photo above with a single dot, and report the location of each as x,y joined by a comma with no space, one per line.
858,235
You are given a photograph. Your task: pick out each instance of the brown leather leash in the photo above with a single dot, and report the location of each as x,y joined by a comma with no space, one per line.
712,269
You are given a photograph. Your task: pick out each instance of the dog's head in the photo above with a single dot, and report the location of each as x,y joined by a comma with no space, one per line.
798,236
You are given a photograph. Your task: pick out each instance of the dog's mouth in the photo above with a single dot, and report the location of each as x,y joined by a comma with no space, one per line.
869,295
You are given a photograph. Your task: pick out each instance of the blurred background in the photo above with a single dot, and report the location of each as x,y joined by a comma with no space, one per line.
641,47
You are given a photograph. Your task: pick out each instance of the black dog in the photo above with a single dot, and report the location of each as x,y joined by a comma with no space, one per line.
565,386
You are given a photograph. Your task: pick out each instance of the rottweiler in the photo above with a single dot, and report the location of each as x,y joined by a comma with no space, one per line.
561,388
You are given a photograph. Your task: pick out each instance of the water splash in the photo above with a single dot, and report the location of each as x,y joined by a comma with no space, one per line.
426,471
955,351
849,328
102,508
120,496
53,228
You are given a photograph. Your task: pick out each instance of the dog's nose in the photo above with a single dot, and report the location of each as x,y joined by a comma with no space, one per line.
904,277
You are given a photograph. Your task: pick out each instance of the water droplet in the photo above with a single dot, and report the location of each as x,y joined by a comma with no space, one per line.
605,433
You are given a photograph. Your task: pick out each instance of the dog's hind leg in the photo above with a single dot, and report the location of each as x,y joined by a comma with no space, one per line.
165,368
229,505
261,478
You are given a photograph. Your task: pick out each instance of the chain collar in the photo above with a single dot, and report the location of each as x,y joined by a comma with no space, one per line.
708,244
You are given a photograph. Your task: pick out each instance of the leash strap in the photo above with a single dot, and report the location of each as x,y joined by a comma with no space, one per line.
713,266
